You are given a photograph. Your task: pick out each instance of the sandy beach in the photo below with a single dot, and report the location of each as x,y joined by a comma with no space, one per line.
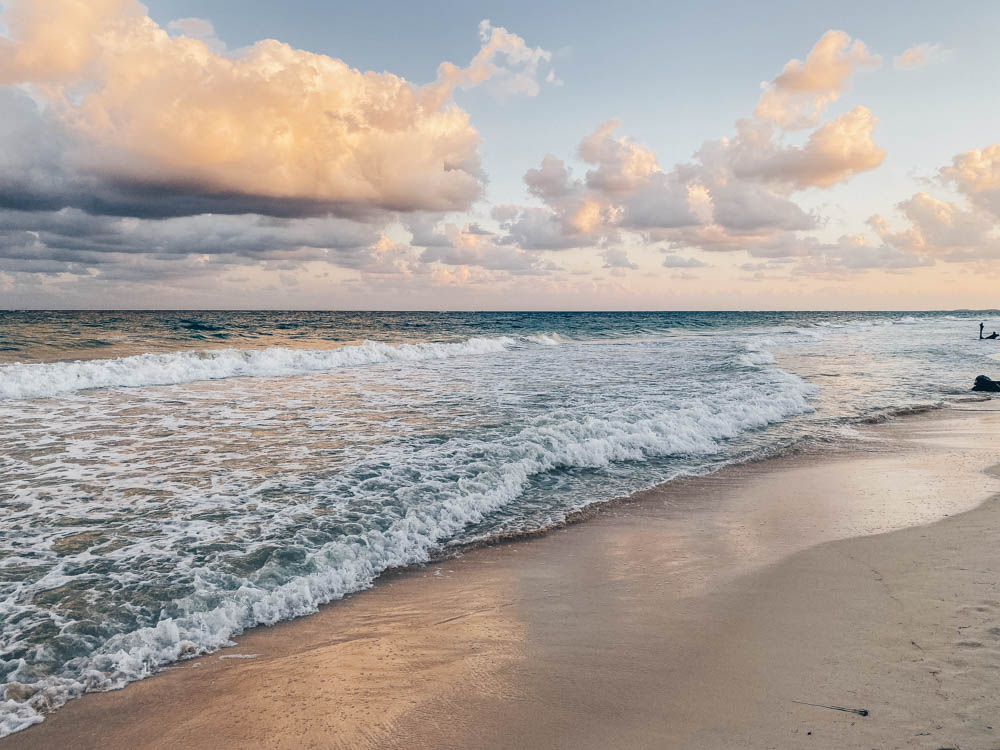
704,613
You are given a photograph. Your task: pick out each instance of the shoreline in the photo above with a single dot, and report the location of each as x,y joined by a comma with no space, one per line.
588,512
377,668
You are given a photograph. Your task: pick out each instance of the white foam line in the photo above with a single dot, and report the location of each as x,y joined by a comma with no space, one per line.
47,379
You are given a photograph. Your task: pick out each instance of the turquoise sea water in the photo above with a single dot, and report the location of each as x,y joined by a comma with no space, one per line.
170,479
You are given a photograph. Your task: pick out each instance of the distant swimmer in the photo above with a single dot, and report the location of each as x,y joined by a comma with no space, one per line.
981,329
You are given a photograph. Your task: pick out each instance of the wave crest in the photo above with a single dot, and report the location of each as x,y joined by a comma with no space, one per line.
46,379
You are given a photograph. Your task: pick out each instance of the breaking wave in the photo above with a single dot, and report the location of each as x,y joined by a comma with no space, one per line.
461,482
47,379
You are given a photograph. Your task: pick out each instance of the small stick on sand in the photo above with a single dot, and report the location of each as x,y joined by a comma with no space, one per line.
858,711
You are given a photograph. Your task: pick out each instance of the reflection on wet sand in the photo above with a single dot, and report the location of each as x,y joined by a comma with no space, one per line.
647,625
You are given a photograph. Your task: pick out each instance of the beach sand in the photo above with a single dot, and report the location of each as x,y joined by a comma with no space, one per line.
694,615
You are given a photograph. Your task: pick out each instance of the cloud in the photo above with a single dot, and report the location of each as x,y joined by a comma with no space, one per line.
661,203
946,229
37,173
678,261
424,230
761,268
551,181
976,174
386,258
624,188
745,207
472,246
72,235
920,55
835,152
520,75
623,165
803,254
942,229
615,258
133,152
735,193
271,124
800,94
534,228
100,249
855,253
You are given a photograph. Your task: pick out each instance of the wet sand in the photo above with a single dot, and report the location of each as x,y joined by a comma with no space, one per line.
694,615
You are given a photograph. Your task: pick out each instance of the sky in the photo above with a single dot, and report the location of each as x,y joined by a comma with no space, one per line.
518,155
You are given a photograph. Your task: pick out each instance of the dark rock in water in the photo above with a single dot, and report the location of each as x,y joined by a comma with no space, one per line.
983,383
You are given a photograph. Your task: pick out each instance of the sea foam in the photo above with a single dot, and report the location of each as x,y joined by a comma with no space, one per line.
488,475
47,379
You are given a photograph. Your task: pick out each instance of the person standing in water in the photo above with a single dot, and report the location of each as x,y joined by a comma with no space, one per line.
981,330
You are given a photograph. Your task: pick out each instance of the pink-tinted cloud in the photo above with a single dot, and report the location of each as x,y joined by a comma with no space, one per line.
957,231
976,174
271,121
800,94
736,192
623,165
942,229
835,152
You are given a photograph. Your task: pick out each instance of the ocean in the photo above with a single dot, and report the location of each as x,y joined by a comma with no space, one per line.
169,479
